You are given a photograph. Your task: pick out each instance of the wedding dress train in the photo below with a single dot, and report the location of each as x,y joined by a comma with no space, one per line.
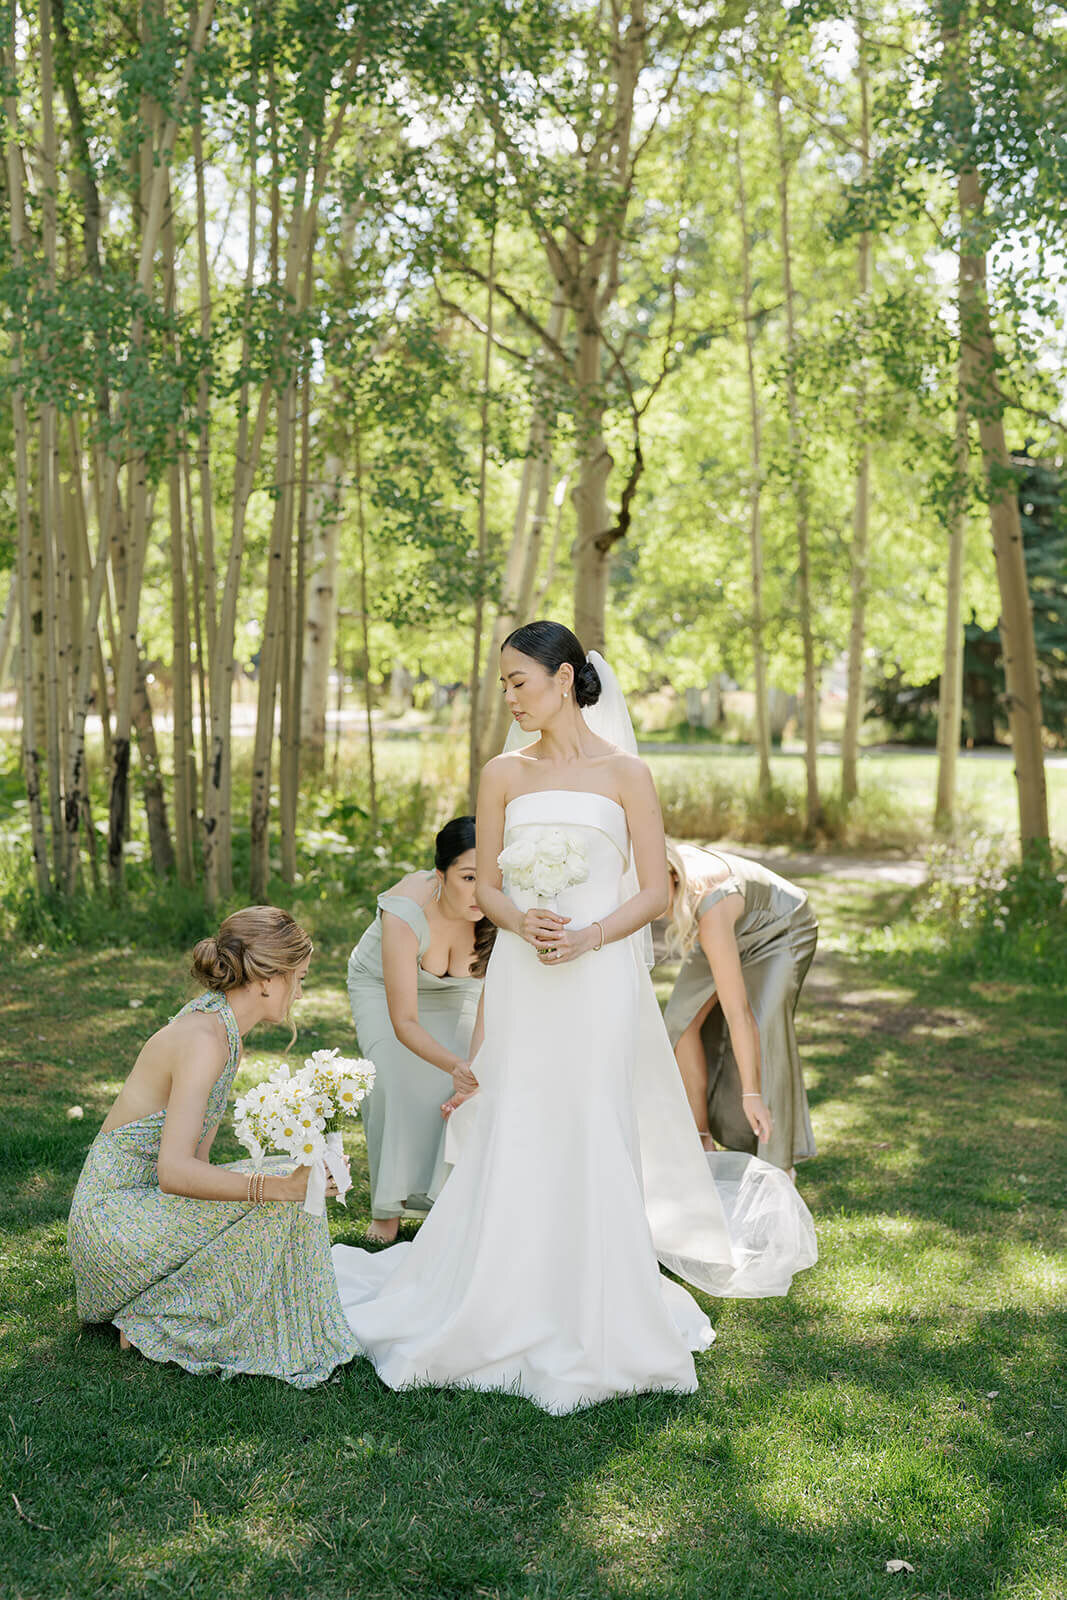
575,1166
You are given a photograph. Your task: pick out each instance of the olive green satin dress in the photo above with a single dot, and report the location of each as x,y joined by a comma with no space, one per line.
214,1285
402,1114
776,934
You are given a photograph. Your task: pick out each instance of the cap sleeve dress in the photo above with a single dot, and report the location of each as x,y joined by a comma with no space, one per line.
776,934
213,1285
402,1114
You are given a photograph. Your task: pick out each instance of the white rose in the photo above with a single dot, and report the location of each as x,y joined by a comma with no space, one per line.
551,878
553,847
521,852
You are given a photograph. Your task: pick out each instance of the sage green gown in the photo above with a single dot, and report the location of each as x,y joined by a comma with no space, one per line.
776,934
213,1285
402,1114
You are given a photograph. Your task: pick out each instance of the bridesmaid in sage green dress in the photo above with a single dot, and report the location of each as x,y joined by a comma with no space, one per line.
747,937
206,1265
414,982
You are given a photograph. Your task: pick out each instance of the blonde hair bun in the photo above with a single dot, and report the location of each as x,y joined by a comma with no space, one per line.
253,944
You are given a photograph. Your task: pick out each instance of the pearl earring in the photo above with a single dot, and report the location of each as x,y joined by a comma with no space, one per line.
566,694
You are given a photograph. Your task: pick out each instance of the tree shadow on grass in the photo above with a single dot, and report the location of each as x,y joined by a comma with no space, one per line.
144,1480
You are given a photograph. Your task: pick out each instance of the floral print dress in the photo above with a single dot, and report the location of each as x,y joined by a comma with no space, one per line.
214,1285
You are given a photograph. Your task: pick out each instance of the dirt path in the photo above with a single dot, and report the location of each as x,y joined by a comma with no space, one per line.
907,871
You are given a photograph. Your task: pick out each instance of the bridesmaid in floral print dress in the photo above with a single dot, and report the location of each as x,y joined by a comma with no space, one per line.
195,1263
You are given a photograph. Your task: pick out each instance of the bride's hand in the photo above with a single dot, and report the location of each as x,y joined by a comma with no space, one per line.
759,1118
542,928
569,945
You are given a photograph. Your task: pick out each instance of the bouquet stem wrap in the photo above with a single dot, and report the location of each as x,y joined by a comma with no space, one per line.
332,1160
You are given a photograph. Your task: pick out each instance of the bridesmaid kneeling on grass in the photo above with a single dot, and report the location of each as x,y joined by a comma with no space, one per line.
414,982
206,1265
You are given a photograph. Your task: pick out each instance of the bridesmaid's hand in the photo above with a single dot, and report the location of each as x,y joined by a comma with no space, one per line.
542,928
453,1102
294,1185
464,1083
759,1118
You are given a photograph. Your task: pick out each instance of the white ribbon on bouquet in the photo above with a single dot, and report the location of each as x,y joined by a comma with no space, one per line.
331,1161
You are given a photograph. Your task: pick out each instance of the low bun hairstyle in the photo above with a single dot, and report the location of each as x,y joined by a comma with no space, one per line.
256,943
551,644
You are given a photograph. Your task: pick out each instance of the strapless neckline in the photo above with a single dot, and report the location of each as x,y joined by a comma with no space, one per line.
590,794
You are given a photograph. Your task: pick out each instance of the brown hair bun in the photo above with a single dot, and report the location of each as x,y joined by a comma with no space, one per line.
252,944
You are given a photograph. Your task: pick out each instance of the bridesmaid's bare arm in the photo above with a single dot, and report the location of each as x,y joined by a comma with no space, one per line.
400,970
719,943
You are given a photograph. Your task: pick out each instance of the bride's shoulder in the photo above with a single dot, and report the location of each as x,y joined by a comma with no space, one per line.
630,773
499,773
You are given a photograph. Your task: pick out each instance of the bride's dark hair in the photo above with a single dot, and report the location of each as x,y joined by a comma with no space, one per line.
551,644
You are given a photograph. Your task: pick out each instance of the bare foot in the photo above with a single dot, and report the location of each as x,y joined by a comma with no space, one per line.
124,1343
383,1230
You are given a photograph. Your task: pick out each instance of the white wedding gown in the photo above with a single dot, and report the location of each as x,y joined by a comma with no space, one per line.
575,1166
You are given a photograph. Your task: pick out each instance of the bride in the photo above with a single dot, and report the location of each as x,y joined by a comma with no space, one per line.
577,1164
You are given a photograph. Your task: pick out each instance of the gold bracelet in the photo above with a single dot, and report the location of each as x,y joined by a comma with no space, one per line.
248,1189
596,923
262,1187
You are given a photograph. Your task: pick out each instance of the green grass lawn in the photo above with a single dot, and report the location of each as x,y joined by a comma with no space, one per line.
907,1401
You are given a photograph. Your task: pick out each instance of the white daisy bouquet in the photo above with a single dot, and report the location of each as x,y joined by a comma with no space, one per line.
299,1114
545,861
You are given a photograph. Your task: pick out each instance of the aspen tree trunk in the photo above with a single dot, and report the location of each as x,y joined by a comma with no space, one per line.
196,598
320,611
950,693
590,493
31,761
1016,623
293,631
153,789
548,577
755,493
184,791
520,566
521,598
130,570
858,562
208,591
181,668
7,628
813,809
217,859
364,618
85,566
56,647
298,287
271,649
474,757
594,288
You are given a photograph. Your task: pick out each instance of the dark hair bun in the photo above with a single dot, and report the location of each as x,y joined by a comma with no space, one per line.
587,684
218,966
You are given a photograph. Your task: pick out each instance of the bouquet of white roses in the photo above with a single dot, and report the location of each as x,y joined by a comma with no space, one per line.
299,1113
545,861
